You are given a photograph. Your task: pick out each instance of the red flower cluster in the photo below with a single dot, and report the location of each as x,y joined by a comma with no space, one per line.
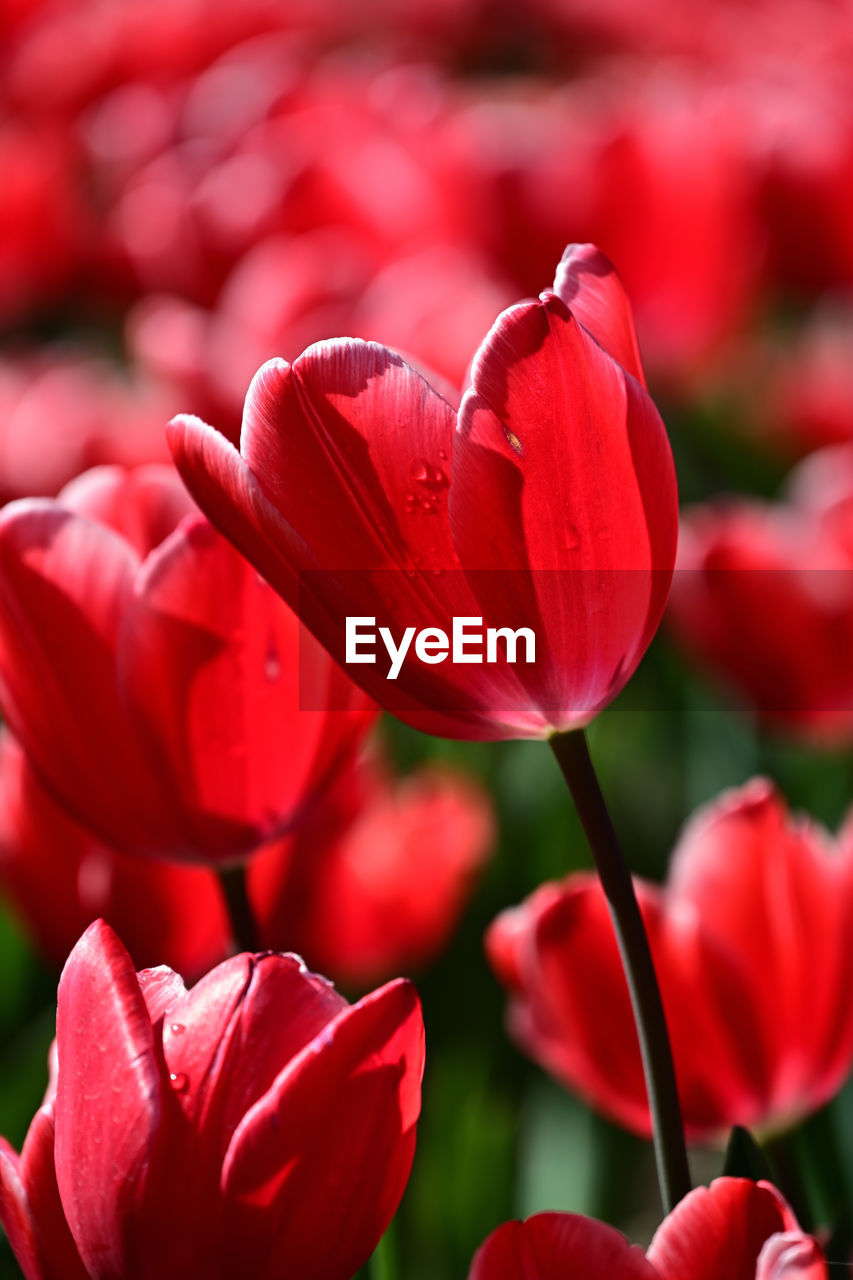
758,1036
199,1132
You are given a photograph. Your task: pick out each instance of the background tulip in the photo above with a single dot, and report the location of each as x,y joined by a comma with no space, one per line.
763,595
153,680
738,1229
548,502
757,1039
371,883
196,1130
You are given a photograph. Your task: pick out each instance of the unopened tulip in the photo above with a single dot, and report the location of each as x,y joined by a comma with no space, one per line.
254,1125
547,503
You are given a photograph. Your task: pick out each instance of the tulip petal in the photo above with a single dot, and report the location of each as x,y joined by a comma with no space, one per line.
112,1101
563,474
228,1037
65,584
348,1102
791,1256
559,1246
588,284
143,504
370,441
379,874
213,663
54,1248
718,1231
163,912
558,956
231,496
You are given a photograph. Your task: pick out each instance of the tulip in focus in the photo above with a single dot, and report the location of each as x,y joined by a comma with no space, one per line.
254,1125
734,1230
151,677
548,501
759,1038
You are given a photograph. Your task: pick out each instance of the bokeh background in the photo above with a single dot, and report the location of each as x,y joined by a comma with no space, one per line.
188,188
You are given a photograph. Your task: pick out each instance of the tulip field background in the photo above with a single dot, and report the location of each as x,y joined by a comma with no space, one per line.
191,192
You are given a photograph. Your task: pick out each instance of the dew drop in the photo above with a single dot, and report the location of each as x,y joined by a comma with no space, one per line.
419,470
272,666
178,1081
177,1028
442,455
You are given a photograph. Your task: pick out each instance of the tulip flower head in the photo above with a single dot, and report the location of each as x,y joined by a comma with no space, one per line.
546,503
757,1038
151,677
734,1230
254,1125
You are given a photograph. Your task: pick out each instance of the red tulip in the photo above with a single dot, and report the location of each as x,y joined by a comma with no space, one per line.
764,596
370,884
549,501
62,412
163,911
758,1037
254,1125
375,879
152,678
734,1230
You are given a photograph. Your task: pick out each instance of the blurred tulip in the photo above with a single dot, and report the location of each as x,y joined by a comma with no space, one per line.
764,596
255,1124
550,503
805,385
64,410
374,881
163,911
734,1230
758,1037
153,679
371,884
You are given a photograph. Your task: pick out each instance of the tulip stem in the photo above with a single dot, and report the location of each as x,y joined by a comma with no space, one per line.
244,930
574,760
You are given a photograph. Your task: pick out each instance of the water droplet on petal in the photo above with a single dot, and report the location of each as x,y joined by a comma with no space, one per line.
272,666
442,455
419,470
178,1080
177,1028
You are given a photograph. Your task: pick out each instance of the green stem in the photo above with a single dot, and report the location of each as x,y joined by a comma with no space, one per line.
573,757
244,930
382,1261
